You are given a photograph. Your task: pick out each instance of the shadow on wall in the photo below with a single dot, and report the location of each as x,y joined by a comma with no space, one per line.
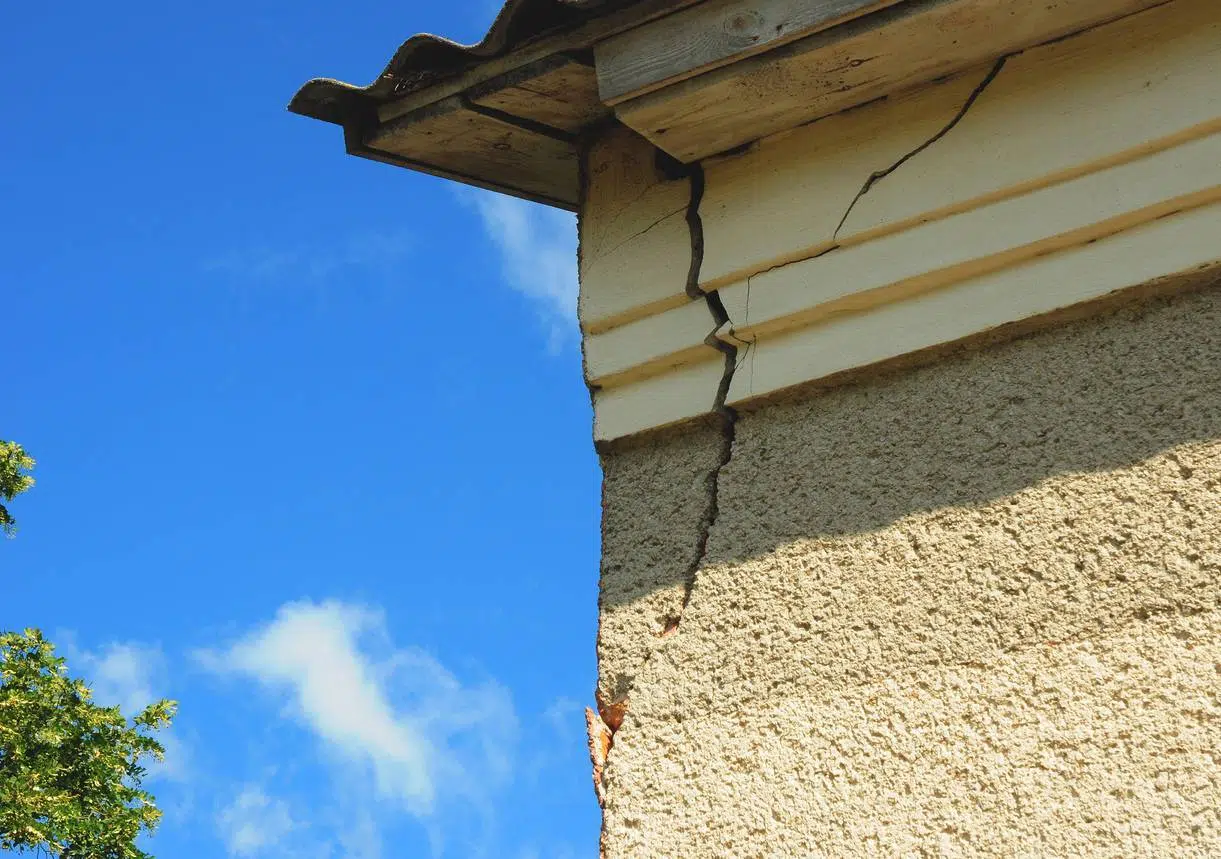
1097,395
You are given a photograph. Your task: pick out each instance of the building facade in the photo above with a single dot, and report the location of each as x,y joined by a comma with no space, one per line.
902,322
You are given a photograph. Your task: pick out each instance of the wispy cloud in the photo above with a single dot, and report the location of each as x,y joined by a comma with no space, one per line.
254,824
538,255
373,251
129,675
423,736
121,674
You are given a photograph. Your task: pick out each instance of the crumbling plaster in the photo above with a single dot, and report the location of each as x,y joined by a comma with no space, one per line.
969,608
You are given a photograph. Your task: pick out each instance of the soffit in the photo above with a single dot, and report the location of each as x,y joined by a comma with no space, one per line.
504,113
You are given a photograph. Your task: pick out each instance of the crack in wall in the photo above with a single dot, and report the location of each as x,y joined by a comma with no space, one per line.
638,233
879,175
603,725
716,306
723,338
726,416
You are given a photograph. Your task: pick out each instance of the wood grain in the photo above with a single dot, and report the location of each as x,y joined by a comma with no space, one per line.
469,144
710,35
864,59
532,51
556,92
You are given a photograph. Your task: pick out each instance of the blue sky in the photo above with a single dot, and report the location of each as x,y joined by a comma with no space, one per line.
313,448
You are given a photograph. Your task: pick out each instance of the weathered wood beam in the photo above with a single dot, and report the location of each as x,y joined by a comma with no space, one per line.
481,146
711,35
866,58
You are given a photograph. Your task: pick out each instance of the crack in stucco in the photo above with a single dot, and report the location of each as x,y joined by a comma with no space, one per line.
879,175
726,416
605,723
610,714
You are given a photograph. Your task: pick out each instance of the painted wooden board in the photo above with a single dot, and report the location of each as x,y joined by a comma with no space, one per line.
635,242
710,35
856,62
1173,245
557,92
1112,94
465,143
658,401
783,200
978,242
921,260
652,345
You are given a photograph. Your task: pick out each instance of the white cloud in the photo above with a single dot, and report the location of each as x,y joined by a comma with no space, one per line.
422,734
254,823
566,716
538,253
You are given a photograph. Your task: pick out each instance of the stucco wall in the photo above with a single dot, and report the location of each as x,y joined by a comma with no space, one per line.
969,608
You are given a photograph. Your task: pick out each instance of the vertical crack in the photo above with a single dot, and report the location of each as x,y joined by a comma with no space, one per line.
603,724
725,416
879,175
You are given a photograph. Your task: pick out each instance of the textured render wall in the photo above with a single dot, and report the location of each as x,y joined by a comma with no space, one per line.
656,513
970,608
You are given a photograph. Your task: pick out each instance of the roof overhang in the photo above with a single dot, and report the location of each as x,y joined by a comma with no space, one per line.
695,78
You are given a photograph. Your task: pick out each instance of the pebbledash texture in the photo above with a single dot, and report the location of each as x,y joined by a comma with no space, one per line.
902,325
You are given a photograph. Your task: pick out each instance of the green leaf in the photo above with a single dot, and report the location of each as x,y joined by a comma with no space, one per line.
70,772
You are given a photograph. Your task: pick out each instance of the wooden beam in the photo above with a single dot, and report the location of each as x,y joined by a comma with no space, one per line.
898,47
711,35
557,92
481,148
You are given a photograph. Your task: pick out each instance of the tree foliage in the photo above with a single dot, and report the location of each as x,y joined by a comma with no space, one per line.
15,465
70,771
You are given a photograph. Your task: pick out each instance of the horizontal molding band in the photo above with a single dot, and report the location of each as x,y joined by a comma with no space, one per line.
927,256
1175,245
978,242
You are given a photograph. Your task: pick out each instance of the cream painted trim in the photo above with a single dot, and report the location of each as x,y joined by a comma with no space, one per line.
978,242
646,347
927,257
635,241
1173,245
659,401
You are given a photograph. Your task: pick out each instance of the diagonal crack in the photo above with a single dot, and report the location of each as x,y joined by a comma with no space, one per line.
879,175
639,233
